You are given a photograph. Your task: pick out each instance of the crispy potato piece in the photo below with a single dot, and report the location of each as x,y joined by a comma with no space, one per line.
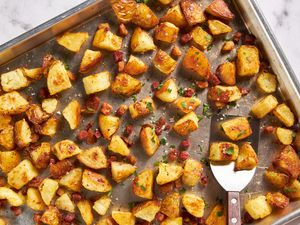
66,149
168,172
36,115
126,85
93,158
226,72
21,174
175,16
89,60
165,2
102,205
247,158
288,162
292,190
123,218
149,140
13,198
40,155
172,221
51,216
72,114
223,151
117,145
48,189
192,12
195,61
170,205
23,134
247,61
72,180
218,216
58,78
201,38
9,160
34,200
49,105
167,92
124,9
141,41
266,82
166,32
284,136
216,27
5,120
224,94
85,210
49,128
284,114
13,103
97,82
237,128
227,46
192,171
187,104
277,200
264,106
73,41
95,182
135,66
146,210
108,125
120,171
186,124
14,80
7,136
193,204
142,108
219,9
106,221
65,203
164,63
143,184
105,39
258,207
34,73
277,179
144,17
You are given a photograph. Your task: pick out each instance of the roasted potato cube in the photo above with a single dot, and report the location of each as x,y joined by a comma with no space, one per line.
89,60
247,158
124,9
224,94
226,72
277,200
108,125
277,179
284,114
5,120
93,158
149,140
195,61
288,162
237,128
126,85
143,184
72,41
120,171
223,151
186,124
9,160
292,190
258,207
142,108
40,155
49,105
135,66
85,210
34,200
123,218
201,38
146,210
72,180
58,78
21,174
23,134
95,182
13,198
217,216
247,61
105,39
117,145
13,103
166,32
34,73
105,221
193,204
144,17
49,128
36,115
284,136
51,216
192,171
228,46
219,9
97,82
13,80
266,82
264,106
168,172
172,221
101,205
141,41
175,16
72,114
216,27
164,63
65,203
165,2
170,205
66,149
167,92
48,189
187,104
7,137
192,12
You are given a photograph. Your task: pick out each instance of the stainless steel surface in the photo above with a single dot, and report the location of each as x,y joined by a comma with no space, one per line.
29,49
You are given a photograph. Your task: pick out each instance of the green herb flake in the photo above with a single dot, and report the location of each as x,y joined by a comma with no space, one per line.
160,86
200,117
67,67
229,151
206,110
143,187
182,190
294,134
181,91
228,59
219,91
164,159
208,37
131,205
156,163
163,141
172,146
183,105
134,98
242,132
205,161
169,90
149,106
210,47
219,213
232,104
200,148
153,139
109,193
142,1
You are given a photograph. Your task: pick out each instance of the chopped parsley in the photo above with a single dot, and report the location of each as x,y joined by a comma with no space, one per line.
200,117
156,163
172,146
67,67
131,204
219,213
163,141
142,1
228,59
208,37
294,134
109,193
164,159
159,86
153,139
182,190
205,161
219,91
210,47
133,98
181,91
206,110
201,148
169,90
135,173
242,132
183,105
149,106
229,151
232,104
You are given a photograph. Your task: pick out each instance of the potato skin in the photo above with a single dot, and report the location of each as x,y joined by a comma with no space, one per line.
40,155
168,91
51,216
192,12
284,136
72,180
168,172
149,140
9,160
201,38
223,151
247,158
123,217
108,125
7,136
65,149
170,205
124,9
237,128
120,171
226,73
277,179
13,198
72,114
258,207
264,106
93,158
174,15
96,82
172,221
187,124
247,61
85,210
277,200
118,145
48,189
284,114
125,85
14,80
143,184
95,182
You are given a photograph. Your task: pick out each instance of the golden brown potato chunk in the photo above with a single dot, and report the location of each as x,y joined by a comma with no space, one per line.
142,184
201,38
192,171
72,114
12,197
164,63
36,115
34,73
142,108
219,9
187,124
72,180
218,216
277,200
247,158
135,66
73,41
124,9
13,103
40,155
97,82
123,218
108,125
146,210
105,39
278,180
168,172
258,207
195,61
266,82
85,210
65,203
49,128
167,92
7,134
49,105
247,61
34,200
9,160
144,17
166,32
174,15
226,72
284,114
14,80
117,145
65,149
141,41
149,140
172,221
120,171
264,106
48,189
23,134
170,205
102,205
216,27
95,182
284,136
93,158
192,12
223,151
193,204
89,60
228,46
51,216
126,85
237,128
292,190
187,104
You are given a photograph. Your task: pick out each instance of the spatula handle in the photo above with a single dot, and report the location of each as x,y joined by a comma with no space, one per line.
234,212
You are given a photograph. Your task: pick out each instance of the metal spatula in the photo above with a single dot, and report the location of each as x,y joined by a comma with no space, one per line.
232,181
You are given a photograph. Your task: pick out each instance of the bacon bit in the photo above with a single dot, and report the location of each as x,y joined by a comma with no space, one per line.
188,219
35,182
43,93
112,159
213,79
185,144
160,125
189,92
128,130
121,66
176,52
60,191
247,218
264,65
91,138
166,188
158,131
204,180
249,39
123,30
201,84
185,38
121,110
52,160
172,155
178,183
217,95
16,210
167,127
47,61
201,221
244,91
97,133
159,216
269,129
76,197
118,56
91,105
3,203
37,218
89,125
60,168
106,108
128,142
184,155
2,182
237,37
155,85
132,159
69,217
82,135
